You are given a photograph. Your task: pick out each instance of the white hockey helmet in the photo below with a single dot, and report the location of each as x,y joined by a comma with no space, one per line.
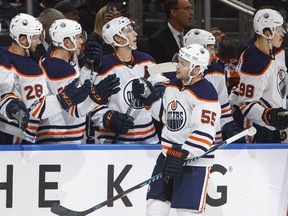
65,28
197,55
25,24
199,36
115,27
267,18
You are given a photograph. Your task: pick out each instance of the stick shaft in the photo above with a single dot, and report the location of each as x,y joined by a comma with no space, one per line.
58,209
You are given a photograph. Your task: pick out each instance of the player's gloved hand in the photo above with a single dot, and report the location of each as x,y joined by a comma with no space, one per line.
144,92
174,161
93,54
229,130
73,95
276,117
118,122
17,110
104,89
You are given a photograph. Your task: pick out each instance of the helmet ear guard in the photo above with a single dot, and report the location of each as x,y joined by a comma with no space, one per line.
267,18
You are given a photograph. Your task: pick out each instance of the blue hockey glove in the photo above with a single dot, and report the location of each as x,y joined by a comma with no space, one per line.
144,92
93,54
229,130
276,117
73,95
118,122
17,110
174,161
101,92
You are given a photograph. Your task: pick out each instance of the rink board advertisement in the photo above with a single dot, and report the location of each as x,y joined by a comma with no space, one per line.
82,176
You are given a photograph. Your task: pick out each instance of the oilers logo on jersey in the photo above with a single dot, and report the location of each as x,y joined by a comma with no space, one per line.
129,97
176,116
281,83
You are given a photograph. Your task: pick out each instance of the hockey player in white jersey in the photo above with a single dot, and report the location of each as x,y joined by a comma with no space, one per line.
262,96
262,70
13,109
190,112
128,64
215,74
30,82
60,69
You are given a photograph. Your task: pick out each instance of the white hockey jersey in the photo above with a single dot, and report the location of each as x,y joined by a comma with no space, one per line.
262,83
67,127
143,130
190,115
31,87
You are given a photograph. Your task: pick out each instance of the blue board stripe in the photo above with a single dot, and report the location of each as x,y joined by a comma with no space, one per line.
69,147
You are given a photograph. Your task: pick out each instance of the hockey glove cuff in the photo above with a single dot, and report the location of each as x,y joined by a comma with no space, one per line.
174,161
101,92
118,122
17,110
276,117
71,95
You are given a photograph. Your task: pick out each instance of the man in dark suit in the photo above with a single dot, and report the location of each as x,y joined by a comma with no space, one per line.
166,42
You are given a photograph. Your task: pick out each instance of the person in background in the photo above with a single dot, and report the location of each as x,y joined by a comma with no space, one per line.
166,42
87,13
218,34
41,5
227,58
69,9
47,17
190,111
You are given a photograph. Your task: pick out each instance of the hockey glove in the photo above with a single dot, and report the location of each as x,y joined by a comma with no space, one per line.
118,122
144,92
17,110
174,162
230,129
93,54
104,89
276,117
71,95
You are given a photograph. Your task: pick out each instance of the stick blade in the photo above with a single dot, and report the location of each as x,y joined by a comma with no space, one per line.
162,68
62,211
252,131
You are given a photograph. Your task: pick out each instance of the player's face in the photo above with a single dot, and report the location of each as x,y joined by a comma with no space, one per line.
277,40
79,41
182,69
35,41
183,13
131,35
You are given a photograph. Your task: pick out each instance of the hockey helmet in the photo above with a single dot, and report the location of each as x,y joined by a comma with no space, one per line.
199,36
25,24
267,18
65,28
197,55
115,27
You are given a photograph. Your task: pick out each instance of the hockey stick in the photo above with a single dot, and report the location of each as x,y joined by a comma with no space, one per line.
128,112
63,211
90,132
162,68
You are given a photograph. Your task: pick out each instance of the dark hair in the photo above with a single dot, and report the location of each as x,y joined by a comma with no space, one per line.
168,5
227,49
